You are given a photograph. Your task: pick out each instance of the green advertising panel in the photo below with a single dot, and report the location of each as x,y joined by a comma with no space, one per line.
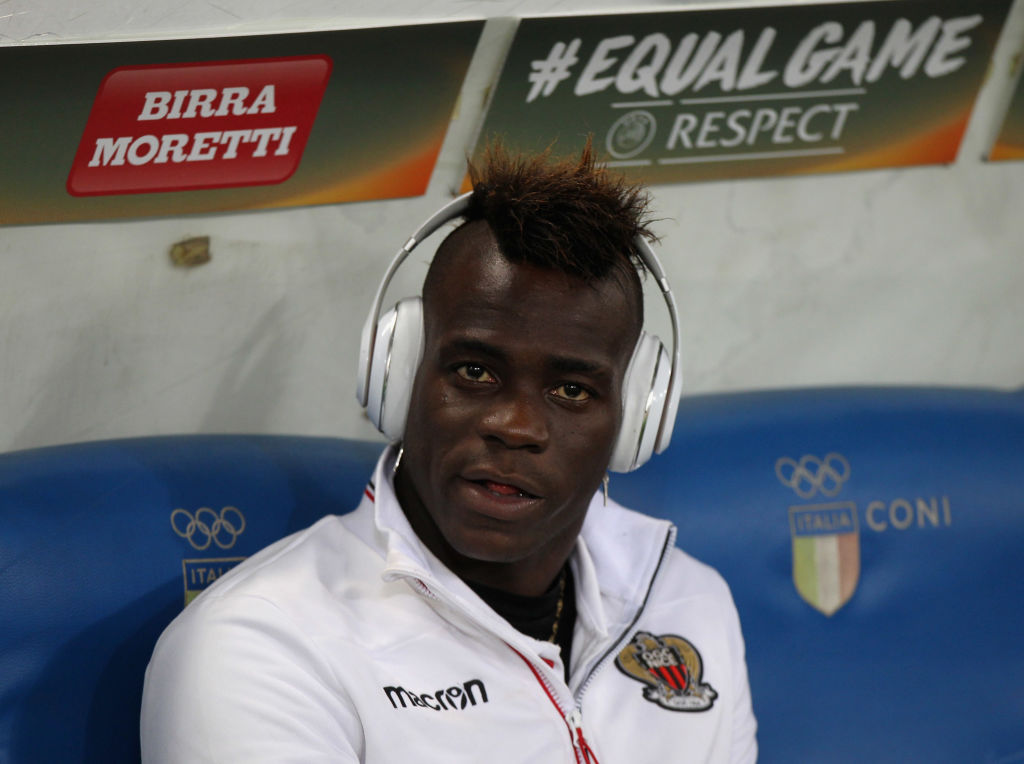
744,92
167,127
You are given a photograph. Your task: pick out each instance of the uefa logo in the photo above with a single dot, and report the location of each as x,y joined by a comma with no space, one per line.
631,133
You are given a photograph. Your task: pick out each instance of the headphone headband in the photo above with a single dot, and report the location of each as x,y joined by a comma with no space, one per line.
457,208
675,379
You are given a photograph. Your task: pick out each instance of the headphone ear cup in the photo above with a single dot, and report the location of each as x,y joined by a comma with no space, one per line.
644,390
396,356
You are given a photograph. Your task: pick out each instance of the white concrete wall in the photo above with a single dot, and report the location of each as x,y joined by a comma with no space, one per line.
909,276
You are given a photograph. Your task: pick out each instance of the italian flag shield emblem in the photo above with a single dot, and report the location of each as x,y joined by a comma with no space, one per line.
826,554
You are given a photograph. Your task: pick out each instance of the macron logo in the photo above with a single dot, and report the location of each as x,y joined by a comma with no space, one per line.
453,699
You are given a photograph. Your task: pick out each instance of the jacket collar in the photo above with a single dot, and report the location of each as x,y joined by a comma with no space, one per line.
614,561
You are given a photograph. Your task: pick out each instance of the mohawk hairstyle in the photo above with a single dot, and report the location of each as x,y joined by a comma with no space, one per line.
566,214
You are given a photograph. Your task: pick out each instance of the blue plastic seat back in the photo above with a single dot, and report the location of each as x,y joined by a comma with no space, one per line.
97,556
873,540
898,511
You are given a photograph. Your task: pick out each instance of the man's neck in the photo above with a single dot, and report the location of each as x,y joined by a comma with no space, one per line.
550,617
526,578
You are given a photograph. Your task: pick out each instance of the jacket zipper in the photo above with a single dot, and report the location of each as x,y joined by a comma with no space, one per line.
624,636
573,719
582,751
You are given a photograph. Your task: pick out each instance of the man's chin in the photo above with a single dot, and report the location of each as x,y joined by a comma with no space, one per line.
490,547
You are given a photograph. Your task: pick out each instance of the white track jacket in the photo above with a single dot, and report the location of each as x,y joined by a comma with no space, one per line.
351,642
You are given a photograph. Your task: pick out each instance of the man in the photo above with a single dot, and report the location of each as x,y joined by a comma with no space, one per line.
485,602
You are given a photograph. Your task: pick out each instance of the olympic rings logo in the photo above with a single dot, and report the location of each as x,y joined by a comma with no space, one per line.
207,527
811,474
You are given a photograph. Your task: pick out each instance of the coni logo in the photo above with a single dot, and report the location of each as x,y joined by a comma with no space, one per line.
826,534
811,475
207,527
203,529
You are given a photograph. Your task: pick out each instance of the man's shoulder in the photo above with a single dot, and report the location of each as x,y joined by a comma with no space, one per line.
290,581
282,564
689,576
639,534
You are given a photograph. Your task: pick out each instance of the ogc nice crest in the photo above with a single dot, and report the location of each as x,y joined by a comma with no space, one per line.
671,670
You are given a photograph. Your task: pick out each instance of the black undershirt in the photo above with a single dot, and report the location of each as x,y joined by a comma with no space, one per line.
535,616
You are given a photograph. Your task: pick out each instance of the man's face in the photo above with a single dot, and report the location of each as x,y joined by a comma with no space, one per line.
515,409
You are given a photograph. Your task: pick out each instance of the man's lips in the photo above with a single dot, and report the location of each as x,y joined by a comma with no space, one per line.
502,485
504,489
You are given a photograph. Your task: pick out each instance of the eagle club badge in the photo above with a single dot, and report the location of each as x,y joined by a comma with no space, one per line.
671,670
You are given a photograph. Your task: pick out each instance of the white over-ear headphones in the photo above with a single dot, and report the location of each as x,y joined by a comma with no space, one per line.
392,346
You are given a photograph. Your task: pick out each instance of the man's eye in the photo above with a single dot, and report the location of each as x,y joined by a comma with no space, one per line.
571,392
474,373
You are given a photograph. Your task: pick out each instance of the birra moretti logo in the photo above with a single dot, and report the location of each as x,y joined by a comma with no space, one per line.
200,125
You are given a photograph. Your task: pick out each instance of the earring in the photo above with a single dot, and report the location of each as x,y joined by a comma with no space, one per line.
398,459
605,484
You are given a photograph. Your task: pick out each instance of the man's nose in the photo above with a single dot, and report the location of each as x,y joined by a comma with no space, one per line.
517,420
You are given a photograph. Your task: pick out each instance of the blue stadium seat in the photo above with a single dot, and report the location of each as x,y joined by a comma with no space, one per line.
873,538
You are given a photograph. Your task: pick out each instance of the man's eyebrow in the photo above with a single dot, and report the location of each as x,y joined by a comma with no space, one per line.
570,365
560,364
469,345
